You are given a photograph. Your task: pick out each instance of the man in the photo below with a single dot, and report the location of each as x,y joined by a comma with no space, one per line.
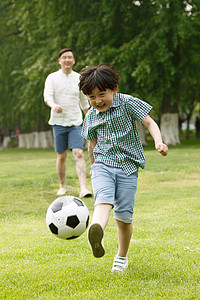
62,94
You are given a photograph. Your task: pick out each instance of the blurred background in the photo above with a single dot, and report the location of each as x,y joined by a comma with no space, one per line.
155,45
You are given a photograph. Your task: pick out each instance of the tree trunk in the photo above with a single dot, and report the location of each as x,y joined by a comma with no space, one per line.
44,139
6,140
169,128
188,128
26,140
22,141
169,124
29,140
38,139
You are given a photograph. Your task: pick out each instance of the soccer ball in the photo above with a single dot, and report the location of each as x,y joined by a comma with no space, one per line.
67,217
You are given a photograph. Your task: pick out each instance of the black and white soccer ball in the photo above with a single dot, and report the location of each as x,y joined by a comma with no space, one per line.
67,217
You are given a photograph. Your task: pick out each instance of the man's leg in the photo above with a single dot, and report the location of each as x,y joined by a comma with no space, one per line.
61,169
81,171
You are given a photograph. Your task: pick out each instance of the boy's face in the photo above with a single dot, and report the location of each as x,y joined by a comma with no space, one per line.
102,100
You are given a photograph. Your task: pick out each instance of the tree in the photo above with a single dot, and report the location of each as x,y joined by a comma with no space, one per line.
154,45
9,57
159,57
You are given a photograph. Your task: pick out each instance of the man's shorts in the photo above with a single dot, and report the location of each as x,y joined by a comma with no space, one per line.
67,137
113,186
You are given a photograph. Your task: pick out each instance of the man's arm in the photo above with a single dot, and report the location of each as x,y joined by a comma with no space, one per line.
85,111
57,108
49,92
154,130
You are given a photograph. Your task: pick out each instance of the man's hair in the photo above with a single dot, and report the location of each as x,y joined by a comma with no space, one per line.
102,76
65,50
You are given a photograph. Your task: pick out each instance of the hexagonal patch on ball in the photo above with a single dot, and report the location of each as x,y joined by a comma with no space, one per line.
72,221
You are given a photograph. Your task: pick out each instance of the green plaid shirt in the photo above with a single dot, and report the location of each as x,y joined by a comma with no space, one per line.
118,144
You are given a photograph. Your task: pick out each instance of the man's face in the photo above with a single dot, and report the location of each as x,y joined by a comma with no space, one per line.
66,61
102,100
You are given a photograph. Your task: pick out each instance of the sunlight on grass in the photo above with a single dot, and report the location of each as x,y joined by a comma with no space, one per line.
164,253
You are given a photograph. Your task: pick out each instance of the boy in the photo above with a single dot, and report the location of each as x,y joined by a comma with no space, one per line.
115,153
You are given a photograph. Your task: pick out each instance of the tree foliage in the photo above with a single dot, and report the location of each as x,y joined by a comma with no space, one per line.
153,44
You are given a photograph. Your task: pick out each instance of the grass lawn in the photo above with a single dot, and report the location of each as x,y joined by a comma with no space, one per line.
164,255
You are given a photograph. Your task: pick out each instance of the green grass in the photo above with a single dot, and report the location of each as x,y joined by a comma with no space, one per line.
164,255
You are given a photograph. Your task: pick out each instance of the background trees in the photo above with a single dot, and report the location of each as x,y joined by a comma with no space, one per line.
153,44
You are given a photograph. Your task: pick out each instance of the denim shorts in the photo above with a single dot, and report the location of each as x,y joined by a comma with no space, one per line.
67,137
113,186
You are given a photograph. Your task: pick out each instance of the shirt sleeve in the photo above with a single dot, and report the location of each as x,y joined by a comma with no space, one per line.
48,88
88,132
84,104
138,108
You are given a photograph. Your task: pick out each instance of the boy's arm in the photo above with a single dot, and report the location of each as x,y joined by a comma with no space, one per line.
154,130
91,145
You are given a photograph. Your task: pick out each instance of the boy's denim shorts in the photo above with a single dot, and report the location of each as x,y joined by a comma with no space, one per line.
113,186
67,137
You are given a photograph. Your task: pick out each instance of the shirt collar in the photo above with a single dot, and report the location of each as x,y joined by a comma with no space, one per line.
61,72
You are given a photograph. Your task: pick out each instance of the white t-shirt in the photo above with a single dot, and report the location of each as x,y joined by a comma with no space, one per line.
64,90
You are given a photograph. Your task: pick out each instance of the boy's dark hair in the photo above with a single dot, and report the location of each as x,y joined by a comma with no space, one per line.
102,76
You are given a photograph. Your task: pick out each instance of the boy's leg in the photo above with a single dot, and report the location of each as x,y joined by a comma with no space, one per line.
103,182
124,236
101,214
96,230
123,213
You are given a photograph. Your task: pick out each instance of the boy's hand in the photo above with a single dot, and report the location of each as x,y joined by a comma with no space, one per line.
162,148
